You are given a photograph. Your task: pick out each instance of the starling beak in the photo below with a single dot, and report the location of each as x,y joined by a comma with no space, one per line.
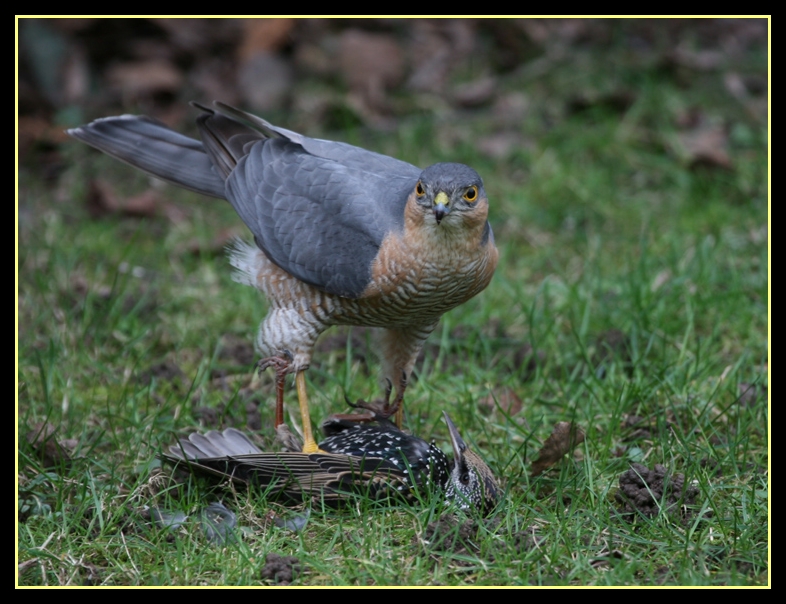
377,460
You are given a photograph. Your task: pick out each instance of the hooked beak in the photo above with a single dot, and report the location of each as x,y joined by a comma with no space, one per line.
441,206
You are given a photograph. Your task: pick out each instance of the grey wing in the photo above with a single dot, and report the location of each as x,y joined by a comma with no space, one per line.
318,219
318,209
351,156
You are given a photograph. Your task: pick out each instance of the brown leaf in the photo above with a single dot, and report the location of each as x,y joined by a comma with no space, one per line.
264,35
749,90
143,205
101,199
499,145
370,64
36,132
700,60
50,451
706,145
435,48
144,78
507,400
476,93
750,393
564,438
216,246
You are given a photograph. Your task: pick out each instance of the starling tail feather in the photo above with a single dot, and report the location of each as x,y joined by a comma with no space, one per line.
342,236
377,460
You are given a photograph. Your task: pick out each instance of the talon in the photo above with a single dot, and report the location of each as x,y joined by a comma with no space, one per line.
379,411
281,362
312,447
388,390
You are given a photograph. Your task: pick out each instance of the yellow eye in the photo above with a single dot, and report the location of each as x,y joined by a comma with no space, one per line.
420,190
471,194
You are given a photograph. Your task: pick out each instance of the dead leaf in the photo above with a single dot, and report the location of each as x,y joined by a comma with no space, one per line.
216,246
51,452
476,93
36,132
499,145
370,64
555,32
505,398
140,79
751,393
25,566
700,60
750,90
564,438
143,205
706,145
264,35
101,200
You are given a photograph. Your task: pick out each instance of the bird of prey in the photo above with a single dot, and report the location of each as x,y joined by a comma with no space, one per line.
342,235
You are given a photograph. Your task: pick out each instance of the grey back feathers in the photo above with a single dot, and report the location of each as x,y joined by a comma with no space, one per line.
318,209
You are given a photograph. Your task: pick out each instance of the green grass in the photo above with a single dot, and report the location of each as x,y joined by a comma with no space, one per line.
639,282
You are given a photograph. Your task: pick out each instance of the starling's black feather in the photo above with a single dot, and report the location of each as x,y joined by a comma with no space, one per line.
374,460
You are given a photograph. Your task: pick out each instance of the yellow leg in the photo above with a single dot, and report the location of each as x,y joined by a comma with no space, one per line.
309,444
400,416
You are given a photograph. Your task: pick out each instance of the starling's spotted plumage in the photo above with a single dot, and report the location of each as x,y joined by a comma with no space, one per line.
342,236
375,460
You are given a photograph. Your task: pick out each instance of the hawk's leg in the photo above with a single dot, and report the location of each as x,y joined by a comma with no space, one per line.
309,444
283,365
399,351
398,407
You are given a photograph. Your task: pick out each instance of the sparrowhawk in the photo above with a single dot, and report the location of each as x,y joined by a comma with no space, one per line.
342,235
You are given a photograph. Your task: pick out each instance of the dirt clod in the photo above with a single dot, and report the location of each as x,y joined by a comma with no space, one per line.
650,491
281,569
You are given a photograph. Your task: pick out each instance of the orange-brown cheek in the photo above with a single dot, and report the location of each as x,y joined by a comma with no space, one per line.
414,216
476,217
